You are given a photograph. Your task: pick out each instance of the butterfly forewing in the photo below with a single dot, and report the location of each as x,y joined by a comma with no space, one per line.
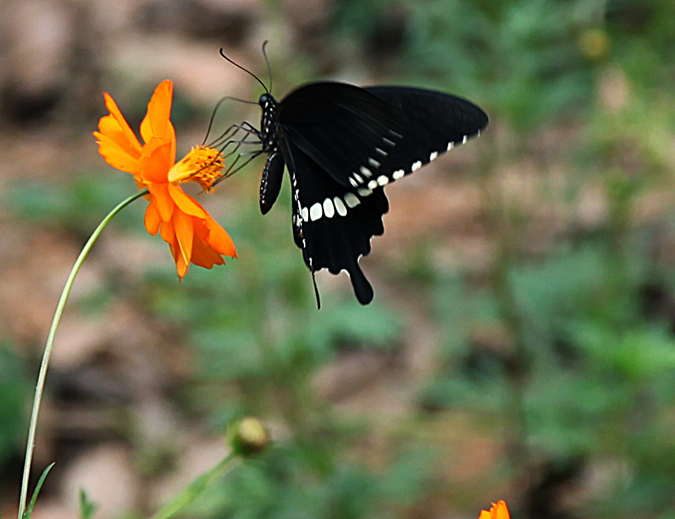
338,126
433,123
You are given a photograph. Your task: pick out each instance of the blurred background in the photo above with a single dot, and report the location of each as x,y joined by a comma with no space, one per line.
521,344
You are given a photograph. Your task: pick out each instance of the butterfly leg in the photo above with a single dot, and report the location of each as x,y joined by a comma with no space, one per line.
225,137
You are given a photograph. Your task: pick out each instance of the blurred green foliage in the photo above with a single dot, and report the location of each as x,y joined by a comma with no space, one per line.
281,485
77,207
586,372
14,396
87,507
600,381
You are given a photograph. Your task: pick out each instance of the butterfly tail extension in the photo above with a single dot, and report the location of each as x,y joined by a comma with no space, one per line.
363,290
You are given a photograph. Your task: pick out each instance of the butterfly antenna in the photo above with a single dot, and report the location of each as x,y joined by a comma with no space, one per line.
222,53
267,62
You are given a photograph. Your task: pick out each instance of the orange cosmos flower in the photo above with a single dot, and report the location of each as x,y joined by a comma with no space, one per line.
498,510
192,234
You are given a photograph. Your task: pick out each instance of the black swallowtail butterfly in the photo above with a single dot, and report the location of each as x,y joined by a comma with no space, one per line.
342,145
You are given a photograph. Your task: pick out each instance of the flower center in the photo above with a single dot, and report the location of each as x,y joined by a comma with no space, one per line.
203,165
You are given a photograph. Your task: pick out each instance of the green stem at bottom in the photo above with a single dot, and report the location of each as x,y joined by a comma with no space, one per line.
199,485
49,346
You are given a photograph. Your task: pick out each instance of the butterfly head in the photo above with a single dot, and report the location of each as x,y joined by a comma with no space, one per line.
267,121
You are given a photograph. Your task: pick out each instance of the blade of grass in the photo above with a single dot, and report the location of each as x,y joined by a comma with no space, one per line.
36,492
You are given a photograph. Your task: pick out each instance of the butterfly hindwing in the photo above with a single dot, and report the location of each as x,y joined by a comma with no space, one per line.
332,225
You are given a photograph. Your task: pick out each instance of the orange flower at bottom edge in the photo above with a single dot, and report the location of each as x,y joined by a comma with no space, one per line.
499,510
192,234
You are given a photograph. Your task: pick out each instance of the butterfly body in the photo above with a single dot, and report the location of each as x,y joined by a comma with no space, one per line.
341,145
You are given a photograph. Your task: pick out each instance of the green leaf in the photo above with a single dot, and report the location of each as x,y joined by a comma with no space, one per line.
38,487
87,507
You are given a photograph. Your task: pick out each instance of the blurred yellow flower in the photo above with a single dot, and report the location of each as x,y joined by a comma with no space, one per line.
192,234
498,510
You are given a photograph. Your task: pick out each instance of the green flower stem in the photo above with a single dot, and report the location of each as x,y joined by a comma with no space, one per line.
39,389
198,486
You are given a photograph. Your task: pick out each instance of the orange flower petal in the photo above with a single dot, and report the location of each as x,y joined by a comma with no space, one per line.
162,201
498,510
112,148
212,234
184,234
109,126
157,121
185,202
152,220
204,256
156,161
168,234
181,267
219,240
129,135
